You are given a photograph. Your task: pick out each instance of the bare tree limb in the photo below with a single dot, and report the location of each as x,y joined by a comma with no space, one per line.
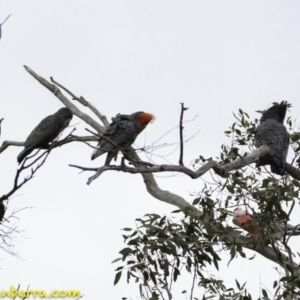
220,170
169,197
0,125
74,138
2,24
6,144
152,169
18,185
5,19
84,103
56,91
180,133
294,172
55,144
23,167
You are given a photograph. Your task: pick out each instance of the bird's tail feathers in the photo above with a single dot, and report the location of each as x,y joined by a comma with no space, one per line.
24,153
96,153
277,165
109,157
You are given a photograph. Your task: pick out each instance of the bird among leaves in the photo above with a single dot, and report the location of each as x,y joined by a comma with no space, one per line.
121,134
272,133
46,131
250,224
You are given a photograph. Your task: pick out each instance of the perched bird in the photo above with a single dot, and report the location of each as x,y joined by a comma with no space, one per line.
46,132
272,133
251,224
122,132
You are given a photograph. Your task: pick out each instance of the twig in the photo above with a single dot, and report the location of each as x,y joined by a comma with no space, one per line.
55,144
180,132
193,285
220,170
168,197
17,186
294,172
6,144
84,103
0,125
56,91
5,20
2,24
23,167
75,138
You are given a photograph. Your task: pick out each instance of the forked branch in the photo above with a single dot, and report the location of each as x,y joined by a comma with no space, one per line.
220,170
147,170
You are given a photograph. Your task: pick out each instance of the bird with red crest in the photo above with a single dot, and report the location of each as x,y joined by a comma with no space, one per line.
121,134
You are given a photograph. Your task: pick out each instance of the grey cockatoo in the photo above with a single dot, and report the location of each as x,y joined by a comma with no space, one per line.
272,133
250,223
47,130
122,132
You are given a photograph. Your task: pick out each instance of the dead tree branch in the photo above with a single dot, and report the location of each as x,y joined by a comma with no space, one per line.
84,103
220,170
56,91
2,24
6,144
42,158
73,138
294,172
0,125
5,19
181,134
18,185
153,188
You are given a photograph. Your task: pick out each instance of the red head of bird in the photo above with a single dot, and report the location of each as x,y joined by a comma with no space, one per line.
142,119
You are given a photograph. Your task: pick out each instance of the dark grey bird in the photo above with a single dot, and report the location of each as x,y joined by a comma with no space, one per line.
122,132
46,132
272,133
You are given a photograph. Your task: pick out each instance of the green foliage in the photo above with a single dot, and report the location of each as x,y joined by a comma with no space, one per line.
161,250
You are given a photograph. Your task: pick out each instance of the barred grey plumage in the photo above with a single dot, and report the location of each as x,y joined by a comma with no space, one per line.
272,133
47,130
122,132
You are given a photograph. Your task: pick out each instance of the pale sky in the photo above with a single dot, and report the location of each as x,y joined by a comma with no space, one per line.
127,56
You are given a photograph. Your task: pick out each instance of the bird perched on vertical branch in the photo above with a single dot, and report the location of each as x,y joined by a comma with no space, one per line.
272,133
47,130
122,133
251,224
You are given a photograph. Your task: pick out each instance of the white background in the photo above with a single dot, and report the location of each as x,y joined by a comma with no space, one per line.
126,56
